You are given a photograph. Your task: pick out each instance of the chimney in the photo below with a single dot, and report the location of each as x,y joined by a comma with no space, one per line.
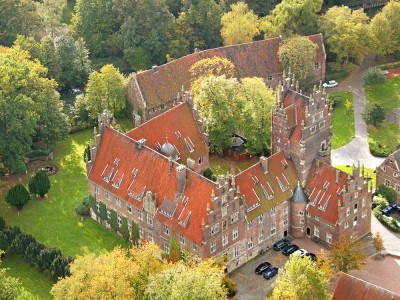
170,165
155,69
264,164
337,176
181,178
138,120
140,143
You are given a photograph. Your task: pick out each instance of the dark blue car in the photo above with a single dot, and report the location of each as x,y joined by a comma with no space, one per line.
270,273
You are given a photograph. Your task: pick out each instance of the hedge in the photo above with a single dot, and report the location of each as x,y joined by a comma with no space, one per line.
379,150
37,154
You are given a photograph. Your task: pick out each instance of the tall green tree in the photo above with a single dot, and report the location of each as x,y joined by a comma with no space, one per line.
298,54
10,21
374,114
348,254
180,38
50,59
31,20
28,44
292,17
295,280
240,25
174,250
346,34
18,196
51,13
255,123
9,286
39,184
105,90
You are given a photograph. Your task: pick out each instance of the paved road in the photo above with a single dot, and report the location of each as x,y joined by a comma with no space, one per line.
357,149
391,240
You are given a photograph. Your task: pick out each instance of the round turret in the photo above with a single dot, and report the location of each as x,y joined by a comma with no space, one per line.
169,151
297,212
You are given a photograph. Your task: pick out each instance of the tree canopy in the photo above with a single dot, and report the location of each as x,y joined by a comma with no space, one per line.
9,286
348,254
18,196
39,184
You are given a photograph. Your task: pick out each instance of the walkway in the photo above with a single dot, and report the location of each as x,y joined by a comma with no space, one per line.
391,240
357,149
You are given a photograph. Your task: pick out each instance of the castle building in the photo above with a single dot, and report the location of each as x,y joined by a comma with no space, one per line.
388,173
154,91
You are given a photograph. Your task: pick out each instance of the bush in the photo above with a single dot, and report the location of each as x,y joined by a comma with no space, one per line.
39,184
230,285
2,223
388,193
379,203
373,76
374,114
18,196
208,173
37,154
80,127
388,66
379,150
82,210
397,55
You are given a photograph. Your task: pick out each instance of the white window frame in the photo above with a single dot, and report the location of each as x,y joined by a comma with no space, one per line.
346,225
107,193
96,189
150,219
250,242
234,217
260,236
363,214
119,220
224,211
273,229
316,231
272,212
285,222
249,225
181,239
118,202
235,233
235,251
260,218
140,214
225,240
129,208
329,238
213,246
214,229
166,229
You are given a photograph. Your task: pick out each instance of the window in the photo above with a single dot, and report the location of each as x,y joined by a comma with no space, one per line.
130,227
272,211
119,220
195,247
96,190
329,224
364,214
316,218
213,246
355,195
249,225
329,238
355,221
321,114
235,217
224,211
260,218
285,222
384,169
355,207
273,230
316,231
250,243
166,248
301,213
98,206
269,77
363,202
314,118
225,239
150,237
214,229
141,232
108,214
285,211
387,182
200,160
394,174
149,219
346,225
140,214
313,129
260,236
316,66
129,208
182,239
235,251
118,202
398,188
166,230
224,224
321,124
308,214
302,221
235,234
107,195
347,211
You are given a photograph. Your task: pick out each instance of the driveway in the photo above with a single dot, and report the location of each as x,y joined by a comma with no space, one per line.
391,240
357,149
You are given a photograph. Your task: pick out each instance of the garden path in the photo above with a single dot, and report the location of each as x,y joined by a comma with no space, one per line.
357,149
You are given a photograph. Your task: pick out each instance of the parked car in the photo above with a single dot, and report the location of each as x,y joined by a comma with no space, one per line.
312,256
282,243
290,249
270,273
263,267
300,252
330,83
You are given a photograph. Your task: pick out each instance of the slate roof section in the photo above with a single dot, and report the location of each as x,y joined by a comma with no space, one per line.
179,127
396,156
259,59
263,191
350,287
146,170
324,192
299,196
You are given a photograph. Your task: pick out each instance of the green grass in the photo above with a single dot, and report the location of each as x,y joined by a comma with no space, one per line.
53,221
387,95
342,120
331,74
371,173
126,125
219,165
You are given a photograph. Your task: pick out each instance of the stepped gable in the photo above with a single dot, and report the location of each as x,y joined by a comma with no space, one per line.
350,287
162,83
179,127
266,184
143,169
324,189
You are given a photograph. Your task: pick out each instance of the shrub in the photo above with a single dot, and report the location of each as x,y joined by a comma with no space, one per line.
86,152
135,233
397,55
374,114
2,224
113,220
379,203
82,210
39,184
103,211
80,127
208,173
379,150
123,230
18,196
373,76
37,154
230,285
388,193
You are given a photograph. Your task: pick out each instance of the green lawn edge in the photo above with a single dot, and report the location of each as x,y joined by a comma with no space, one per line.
343,129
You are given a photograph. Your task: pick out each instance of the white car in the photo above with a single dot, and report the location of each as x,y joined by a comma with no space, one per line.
330,83
301,252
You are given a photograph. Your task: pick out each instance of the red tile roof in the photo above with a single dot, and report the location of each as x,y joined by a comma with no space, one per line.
255,59
261,190
294,104
146,170
179,125
350,287
324,192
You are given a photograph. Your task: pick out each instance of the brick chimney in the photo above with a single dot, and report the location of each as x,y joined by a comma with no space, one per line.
181,179
264,164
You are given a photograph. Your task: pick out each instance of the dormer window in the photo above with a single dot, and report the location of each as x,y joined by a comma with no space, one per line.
189,144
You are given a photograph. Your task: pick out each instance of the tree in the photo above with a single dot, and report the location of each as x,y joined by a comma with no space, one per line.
50,59
174,250
384,29
28,44
324,264
135,235
292,17
105,90
180,38
39,184
257,101
240,25
347,254
374,76
295,280
378,242
188,281
18,196
388,193
346,34
374,115
298,53
51,13
46,257
9,286
31,20
60,267
10,21
123,229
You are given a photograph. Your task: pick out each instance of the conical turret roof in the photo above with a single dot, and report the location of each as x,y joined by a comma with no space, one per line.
299,196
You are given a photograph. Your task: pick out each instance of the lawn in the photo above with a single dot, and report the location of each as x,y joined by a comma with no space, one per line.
53,221
342,119
388,95
222,165
371,173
